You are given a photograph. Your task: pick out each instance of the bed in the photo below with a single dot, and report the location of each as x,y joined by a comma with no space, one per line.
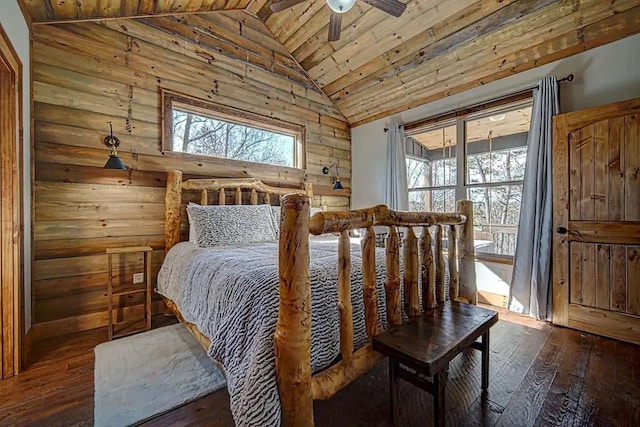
279,326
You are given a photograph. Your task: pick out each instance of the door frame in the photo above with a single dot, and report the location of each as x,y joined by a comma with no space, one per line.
11,170
615,325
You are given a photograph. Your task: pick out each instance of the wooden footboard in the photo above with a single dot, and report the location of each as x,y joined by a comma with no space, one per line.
297,387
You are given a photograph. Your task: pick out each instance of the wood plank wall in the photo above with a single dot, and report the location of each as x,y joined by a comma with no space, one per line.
87,74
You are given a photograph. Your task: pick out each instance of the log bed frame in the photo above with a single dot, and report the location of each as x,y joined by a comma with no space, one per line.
296,384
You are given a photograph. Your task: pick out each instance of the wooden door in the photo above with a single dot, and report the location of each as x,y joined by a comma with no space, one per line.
596,217
10,210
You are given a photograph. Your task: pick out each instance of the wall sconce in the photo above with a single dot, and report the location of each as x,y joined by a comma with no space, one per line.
326,169
113,142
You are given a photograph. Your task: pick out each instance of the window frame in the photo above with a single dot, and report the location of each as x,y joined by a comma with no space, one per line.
172,100
459,119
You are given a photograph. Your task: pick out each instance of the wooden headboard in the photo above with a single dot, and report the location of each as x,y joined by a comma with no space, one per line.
257,190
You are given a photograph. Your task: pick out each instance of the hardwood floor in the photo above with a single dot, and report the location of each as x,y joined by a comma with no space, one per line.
541,375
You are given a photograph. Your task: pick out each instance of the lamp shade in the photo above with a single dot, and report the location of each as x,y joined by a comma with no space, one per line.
341,6
114,162
337,186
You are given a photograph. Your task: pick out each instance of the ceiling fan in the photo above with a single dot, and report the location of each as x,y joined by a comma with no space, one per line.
338,7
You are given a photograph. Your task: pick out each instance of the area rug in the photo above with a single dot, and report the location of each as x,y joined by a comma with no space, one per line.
144,375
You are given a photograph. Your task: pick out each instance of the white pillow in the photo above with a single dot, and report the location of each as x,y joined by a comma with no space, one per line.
231,224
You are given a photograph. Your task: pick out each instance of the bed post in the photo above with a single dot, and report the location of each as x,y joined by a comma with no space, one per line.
468,288
308,188
172,203
293,330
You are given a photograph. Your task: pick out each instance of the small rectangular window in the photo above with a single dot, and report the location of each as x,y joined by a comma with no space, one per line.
203,128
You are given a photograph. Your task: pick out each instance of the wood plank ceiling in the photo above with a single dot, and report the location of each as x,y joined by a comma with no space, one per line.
384,65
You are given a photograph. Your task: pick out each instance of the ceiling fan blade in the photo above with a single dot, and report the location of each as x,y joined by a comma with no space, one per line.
335,25
283,4
392,7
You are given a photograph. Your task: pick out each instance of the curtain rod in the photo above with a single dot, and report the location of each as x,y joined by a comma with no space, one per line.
457,112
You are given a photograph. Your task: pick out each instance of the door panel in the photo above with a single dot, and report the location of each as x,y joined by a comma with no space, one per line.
576,273
585,145
632,161
633,280
603,171
601,186
619,278
588,275
596,249
603,282
600,273
616,168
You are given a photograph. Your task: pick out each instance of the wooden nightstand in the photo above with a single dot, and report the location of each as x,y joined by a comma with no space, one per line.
128,327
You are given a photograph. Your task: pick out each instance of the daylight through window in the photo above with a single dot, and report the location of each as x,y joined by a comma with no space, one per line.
206,129
488,168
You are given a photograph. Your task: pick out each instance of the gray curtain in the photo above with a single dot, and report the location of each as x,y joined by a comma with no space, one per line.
396,194
531,281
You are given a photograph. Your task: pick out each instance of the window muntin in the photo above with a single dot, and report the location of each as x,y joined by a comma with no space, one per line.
436,200
494,158
206,129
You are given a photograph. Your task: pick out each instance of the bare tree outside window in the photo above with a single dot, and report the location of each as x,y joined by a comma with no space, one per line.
197,134
426,173
417,171
497,208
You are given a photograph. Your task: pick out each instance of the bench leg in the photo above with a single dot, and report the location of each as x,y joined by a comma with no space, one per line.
394,397
439,381
485,361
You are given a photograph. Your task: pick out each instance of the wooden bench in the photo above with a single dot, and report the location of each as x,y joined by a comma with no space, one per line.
428,342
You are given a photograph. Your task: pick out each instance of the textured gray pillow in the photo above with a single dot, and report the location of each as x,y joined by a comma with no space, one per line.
231,224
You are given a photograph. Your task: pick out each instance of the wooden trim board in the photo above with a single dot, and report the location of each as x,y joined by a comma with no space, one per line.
616,325
11,210
85,322
491,298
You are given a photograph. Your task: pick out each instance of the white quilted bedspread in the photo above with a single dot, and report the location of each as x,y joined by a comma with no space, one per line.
231,295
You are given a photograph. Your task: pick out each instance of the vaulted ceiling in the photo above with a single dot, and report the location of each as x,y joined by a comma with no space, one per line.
383,65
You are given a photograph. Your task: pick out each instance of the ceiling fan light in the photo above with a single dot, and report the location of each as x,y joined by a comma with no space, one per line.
497,117
341,6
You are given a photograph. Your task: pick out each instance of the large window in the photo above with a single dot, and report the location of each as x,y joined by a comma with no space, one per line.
202,128
488,168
